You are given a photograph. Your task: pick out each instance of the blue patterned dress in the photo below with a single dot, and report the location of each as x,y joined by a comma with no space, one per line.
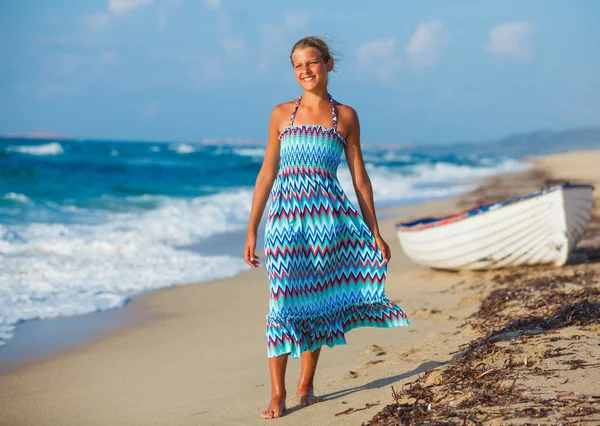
325,271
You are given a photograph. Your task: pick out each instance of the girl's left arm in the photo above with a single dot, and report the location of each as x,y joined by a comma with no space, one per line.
360,178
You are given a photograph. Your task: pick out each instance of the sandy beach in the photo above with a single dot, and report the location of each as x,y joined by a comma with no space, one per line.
195,354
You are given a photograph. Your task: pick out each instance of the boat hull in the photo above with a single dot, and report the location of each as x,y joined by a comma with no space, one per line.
535,229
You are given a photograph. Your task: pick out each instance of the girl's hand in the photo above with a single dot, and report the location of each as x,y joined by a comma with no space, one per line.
385,249
249,255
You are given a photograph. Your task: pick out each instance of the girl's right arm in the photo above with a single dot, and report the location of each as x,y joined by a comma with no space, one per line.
263,185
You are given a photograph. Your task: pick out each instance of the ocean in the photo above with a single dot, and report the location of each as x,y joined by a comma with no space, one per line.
87,225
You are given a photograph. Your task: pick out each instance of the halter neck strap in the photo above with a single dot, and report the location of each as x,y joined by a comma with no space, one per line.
333,114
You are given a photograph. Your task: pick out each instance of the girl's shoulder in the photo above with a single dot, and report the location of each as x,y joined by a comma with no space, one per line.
284,108
345,112
281,114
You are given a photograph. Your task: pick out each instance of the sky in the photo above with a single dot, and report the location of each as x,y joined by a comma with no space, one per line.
193,70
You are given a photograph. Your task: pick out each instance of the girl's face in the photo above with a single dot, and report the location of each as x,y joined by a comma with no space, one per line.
310,69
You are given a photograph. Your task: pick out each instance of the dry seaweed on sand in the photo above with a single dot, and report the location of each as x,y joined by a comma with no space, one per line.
486,382
540,303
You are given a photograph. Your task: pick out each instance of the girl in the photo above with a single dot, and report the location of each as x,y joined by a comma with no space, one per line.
326,264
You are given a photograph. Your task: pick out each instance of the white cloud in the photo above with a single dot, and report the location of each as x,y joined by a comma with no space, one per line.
272,33
296,21
233,45
379,58
121,7
225,25
117,8
150,109
108,58
510,39
212,69
212,4
162,19
271,46
68,63
201,70
54,20
424,46
95,20
54,90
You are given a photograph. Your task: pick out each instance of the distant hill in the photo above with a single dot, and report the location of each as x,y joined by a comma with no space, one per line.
42,134
537,143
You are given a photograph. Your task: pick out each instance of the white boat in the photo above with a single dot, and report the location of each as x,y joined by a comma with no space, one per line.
538,228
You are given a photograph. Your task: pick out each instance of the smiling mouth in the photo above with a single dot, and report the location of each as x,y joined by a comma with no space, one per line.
307,79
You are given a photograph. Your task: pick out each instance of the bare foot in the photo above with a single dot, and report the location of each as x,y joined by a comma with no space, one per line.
308,398
275,409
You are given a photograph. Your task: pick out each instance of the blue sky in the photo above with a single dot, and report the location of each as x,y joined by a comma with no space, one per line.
190,70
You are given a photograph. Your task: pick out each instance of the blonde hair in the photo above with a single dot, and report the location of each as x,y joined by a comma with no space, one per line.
319,43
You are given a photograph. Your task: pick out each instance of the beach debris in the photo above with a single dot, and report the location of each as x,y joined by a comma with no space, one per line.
519,324
348,411
354,410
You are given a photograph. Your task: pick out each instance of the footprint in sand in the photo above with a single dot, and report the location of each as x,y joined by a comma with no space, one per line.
372,362
406,353
353,374
375,350
466,302
425,312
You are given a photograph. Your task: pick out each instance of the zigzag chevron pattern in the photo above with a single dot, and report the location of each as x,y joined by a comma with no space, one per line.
326,274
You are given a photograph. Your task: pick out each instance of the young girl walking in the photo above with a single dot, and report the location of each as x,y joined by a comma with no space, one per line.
325,262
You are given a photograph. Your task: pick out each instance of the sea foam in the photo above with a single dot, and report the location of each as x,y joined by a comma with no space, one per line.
421,182
182,148
13,196
54,270
53,148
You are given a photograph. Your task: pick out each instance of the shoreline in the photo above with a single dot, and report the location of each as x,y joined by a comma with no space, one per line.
200,347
